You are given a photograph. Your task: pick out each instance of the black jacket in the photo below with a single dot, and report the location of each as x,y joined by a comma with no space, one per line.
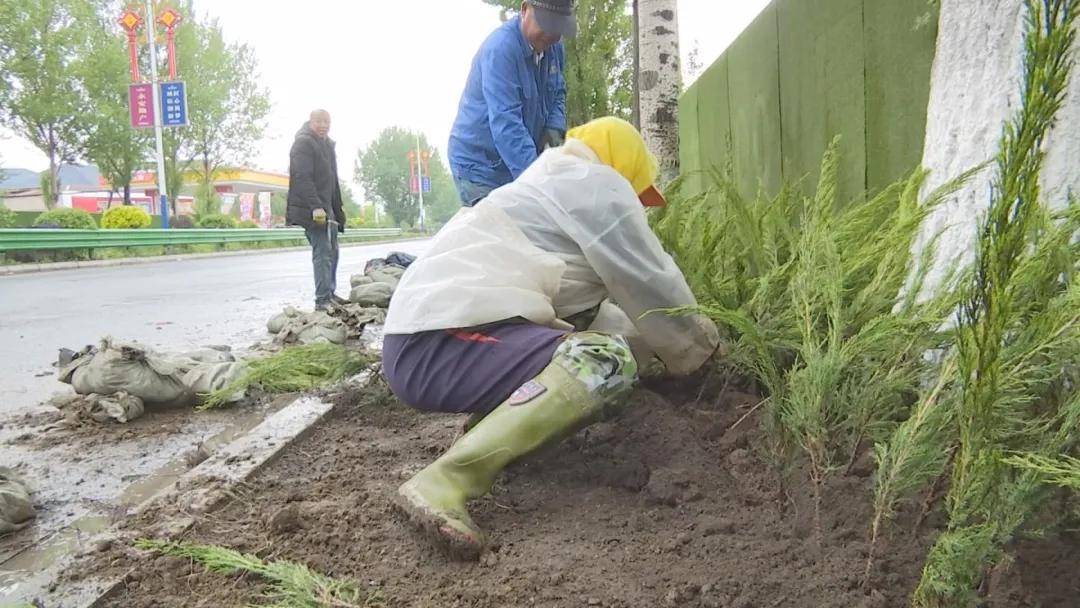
313,180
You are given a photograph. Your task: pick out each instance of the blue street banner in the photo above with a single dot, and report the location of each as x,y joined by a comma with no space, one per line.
174,104
426,184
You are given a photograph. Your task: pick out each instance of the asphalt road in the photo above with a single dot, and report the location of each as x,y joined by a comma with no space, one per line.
168,306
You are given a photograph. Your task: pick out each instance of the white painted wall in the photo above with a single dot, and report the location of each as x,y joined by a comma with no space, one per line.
975,88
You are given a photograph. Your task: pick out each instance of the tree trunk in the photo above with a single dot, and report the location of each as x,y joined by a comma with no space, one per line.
636,110
659,81
52,193
127,194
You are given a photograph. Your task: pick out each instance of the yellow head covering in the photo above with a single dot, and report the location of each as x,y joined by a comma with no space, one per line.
621,147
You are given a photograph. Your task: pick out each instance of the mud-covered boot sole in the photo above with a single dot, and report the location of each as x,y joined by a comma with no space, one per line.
456,544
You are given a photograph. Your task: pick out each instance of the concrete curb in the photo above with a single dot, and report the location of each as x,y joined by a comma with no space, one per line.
21,269
206,486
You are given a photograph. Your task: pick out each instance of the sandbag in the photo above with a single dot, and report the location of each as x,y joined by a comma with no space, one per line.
210,354
116,367
374,294
391,275
212,377
357,280
119,407
317,327
279,321
323,334
16,506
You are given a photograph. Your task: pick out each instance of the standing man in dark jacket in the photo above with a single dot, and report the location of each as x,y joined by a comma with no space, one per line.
315,202
514,104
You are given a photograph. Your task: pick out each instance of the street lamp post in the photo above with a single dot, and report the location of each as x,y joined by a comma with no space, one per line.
420,181
162,192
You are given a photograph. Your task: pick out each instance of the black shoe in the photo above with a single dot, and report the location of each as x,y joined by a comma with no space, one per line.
340,301
322,307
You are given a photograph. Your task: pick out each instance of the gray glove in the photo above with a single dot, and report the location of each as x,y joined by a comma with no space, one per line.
552,138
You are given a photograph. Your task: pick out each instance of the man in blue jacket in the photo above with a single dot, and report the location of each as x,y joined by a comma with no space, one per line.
514,104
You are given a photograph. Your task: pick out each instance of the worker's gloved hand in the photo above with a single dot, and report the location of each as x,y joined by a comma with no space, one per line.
552,138
319,216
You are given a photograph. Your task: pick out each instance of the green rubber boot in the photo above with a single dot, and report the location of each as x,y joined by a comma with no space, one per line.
551,407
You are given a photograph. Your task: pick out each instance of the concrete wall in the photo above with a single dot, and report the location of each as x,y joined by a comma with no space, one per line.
803,72
975,88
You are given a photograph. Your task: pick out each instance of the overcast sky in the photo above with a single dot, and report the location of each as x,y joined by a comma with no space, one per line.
378,64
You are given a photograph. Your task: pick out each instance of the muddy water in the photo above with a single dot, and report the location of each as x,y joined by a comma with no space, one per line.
29,564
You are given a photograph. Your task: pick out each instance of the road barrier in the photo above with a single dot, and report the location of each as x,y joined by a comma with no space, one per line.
53,239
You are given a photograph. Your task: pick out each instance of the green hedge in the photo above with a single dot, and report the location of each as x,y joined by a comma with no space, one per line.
129,217
25,219
73,219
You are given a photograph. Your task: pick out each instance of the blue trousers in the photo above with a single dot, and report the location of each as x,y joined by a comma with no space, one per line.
324,260
471,192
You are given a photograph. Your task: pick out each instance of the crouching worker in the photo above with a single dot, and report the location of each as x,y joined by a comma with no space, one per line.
479,324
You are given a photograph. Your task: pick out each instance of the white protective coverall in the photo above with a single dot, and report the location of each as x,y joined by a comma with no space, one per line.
568,234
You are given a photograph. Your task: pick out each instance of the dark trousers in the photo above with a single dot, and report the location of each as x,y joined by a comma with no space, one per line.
467,370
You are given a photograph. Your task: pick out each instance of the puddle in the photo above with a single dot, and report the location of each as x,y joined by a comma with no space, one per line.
30,571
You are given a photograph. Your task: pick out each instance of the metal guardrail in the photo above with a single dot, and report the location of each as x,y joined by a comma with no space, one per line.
32,239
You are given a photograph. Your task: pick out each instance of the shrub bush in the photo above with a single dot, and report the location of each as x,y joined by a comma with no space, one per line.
248,224
125,217
72,219
181,222
7,217
216,220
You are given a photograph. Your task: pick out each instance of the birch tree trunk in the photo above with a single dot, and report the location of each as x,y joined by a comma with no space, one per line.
659,81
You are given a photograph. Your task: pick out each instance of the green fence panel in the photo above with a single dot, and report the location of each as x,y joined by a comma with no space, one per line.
900,42
822,90
806,71
755,106
714,115
690,142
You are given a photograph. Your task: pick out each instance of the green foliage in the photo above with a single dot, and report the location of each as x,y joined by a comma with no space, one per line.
125,217
216,220
227,105
599,60
291,585
181,222
348,202
297,368
207,203
278,204
808,289
72,219
1063,471
41,46
383,169
248,224
1018,335
8,218
110,142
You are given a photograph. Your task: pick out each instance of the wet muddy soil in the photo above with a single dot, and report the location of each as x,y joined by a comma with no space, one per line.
673,504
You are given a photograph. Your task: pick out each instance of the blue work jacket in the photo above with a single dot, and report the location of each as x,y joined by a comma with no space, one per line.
509,99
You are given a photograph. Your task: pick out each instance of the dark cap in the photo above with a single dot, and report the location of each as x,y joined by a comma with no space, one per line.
556,17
